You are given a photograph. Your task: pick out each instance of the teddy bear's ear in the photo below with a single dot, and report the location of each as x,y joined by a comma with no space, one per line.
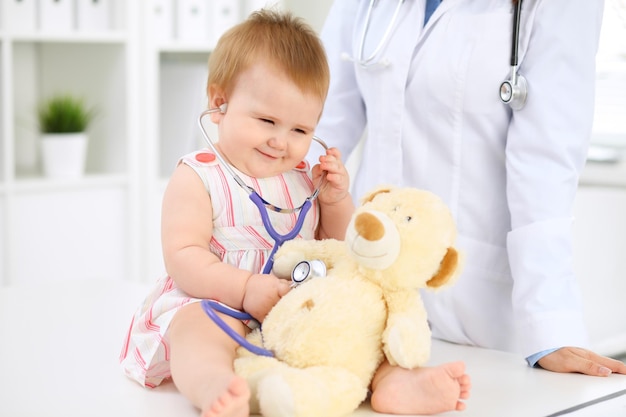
447,269
373,193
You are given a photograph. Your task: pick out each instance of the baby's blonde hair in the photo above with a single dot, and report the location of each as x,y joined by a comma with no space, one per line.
278,39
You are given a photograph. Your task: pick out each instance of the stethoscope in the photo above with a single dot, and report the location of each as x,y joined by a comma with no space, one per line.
373,60
211,306
512,91
515,90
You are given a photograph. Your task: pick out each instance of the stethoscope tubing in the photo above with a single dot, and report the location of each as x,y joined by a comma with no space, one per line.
365,62
210,307
278,238
515,38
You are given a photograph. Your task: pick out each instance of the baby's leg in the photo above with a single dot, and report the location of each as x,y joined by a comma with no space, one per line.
201,361
428,390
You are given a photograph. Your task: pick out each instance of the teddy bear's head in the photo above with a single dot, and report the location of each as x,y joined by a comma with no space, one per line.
408,235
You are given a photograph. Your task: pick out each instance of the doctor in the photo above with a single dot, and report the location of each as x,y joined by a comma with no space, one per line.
425,91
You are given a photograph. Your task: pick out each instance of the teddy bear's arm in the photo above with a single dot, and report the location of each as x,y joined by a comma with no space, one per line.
407,336
294,251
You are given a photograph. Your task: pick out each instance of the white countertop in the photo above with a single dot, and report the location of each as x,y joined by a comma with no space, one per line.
606,166
59,347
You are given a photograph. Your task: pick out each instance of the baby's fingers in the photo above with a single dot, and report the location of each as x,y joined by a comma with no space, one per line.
283,287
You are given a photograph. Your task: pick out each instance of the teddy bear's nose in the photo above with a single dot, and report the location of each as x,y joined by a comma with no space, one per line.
369,227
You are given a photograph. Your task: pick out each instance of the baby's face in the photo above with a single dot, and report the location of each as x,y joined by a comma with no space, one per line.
268,126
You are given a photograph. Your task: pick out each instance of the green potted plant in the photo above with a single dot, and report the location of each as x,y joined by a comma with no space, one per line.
63,123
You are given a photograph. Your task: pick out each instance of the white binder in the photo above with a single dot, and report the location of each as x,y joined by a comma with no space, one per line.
192,21
224,15
93,15
161,15
56,16
20,16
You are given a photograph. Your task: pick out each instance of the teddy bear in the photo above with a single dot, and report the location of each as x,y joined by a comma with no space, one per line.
329,334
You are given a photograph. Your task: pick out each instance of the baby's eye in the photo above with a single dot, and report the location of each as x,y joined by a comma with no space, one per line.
267,121
302,132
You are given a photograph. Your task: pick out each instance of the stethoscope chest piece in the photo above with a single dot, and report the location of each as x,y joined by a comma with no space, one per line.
307,269
514,92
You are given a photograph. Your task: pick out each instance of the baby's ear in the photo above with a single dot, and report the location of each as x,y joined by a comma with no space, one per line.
447,270
217,100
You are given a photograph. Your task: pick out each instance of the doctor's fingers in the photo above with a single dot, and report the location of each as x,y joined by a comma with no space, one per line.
571,359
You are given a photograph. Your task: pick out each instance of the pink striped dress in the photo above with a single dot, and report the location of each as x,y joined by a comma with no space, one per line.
239,238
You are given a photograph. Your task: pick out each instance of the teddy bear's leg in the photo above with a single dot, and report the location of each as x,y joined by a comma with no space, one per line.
252,367
406,342
310,392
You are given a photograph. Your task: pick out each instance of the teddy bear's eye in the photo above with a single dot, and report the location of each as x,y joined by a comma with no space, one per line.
408,219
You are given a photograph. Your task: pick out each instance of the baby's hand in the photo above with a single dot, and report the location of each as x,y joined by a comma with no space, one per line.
262,293
337,184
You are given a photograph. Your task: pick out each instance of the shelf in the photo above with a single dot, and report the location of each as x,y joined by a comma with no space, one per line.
81,38
186,48
91,220
95,72
88,182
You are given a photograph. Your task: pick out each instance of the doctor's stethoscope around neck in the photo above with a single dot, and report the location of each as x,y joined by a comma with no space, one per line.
303,271
513,91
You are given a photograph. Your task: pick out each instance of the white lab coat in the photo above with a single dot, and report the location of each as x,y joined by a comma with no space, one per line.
435,121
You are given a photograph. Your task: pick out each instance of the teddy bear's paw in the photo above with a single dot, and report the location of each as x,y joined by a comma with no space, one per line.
285,261
317,391
275,397
405,348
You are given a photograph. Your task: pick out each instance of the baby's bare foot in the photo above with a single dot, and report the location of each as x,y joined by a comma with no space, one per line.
231,403
429,390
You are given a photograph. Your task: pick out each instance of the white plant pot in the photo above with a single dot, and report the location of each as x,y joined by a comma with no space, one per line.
63,154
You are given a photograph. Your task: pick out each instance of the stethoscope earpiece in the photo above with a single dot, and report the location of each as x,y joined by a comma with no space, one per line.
223,108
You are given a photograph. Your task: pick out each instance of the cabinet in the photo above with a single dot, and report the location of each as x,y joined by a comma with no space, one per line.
599,262
81,228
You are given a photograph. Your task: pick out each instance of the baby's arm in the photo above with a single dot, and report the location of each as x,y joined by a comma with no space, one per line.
187,230
336,206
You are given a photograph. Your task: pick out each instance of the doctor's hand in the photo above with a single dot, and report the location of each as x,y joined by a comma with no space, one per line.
337,185
571,359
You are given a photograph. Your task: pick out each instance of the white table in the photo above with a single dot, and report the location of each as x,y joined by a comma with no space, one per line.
59,348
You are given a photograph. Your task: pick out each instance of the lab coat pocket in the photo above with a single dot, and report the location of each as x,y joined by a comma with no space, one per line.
485,261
